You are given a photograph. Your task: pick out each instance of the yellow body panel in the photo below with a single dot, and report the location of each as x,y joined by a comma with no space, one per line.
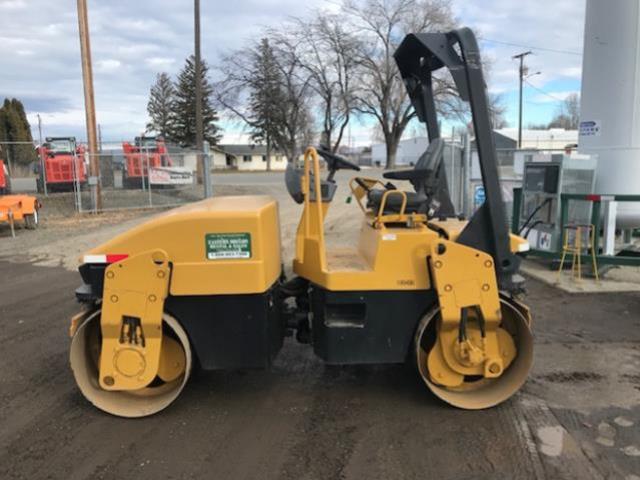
392,250
385,259
453,227
181,233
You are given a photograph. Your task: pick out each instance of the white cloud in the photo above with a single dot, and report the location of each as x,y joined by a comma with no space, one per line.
571,72
12,4
539,26
108,66
131,41
159,63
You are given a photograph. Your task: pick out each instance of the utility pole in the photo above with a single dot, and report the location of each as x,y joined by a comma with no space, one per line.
198,89
523,71
89,106
43,171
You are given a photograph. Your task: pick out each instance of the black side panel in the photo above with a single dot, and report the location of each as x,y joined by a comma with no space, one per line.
93,277
366,327
231,331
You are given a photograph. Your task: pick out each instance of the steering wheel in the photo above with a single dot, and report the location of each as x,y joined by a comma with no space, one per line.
336,162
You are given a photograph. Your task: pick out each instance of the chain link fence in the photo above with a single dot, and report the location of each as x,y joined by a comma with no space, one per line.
131,176
145,175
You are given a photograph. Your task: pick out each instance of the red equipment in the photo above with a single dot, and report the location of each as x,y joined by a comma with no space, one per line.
4,179
146,152
63,164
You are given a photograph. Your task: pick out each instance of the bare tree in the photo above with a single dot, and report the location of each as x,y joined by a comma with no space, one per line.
328,53
568,113
497,110
282,106
297,91
381,25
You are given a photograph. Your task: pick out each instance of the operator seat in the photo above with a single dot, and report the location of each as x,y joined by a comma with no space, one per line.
422,177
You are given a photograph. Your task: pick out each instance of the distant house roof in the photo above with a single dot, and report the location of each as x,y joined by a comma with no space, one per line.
502,141
246,149
551,134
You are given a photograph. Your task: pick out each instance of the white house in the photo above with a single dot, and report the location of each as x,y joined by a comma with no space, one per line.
247,157
551,139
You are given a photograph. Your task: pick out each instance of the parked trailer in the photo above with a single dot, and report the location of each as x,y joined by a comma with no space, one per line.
19,208
64,167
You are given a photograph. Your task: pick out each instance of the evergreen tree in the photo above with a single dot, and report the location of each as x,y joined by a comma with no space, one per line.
14,127
161,107
185,106
266,100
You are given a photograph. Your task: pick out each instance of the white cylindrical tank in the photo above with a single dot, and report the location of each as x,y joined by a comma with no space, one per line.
610,100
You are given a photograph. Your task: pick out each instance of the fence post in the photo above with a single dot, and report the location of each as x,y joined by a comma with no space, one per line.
9,166
43,170
206,171
609,235
148,177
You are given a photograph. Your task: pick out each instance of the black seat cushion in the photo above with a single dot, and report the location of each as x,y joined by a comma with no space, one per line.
394,201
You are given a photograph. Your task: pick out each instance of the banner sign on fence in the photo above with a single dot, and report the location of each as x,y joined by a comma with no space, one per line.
170,176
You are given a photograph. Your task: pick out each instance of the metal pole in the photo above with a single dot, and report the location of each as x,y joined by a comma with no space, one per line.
206,177
198,91
9,166
89,104
148,177
42,169
76,182
522,72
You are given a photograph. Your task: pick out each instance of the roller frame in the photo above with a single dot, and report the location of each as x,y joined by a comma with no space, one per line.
134,293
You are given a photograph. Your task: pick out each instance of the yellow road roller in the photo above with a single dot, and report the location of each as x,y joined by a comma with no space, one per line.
203,285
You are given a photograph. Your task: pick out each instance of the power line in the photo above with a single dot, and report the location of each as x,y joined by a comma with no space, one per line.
542,49
561,100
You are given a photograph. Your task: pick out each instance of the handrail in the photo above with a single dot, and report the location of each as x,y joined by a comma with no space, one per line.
383,203
312,152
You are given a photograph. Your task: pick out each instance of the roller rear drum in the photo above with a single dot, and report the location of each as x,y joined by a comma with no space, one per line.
477,392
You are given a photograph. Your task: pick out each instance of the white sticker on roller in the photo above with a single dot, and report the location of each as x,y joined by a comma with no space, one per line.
389,237
95,259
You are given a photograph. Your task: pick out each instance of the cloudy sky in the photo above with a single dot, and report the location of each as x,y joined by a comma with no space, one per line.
133,40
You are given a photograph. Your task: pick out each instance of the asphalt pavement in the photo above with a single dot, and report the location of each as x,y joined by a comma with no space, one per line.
304,420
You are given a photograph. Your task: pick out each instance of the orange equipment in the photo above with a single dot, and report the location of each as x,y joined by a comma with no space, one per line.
19,208
4,179
146,152
63,164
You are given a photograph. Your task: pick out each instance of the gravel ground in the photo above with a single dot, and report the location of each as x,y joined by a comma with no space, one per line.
577,417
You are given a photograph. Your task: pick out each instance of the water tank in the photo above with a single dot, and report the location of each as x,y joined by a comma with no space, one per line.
610,100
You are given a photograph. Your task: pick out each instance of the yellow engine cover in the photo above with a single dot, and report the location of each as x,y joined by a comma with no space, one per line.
222,245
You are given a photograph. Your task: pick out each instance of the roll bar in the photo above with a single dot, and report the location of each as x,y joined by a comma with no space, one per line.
418,56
